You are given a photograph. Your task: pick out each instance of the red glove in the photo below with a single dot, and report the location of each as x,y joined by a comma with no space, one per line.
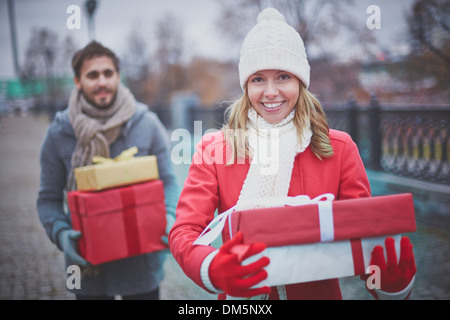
226,272
395,276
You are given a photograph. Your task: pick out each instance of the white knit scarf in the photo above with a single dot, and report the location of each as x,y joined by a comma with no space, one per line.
273,148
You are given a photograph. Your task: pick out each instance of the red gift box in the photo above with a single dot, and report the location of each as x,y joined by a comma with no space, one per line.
120,222
310,240
353,218
328,239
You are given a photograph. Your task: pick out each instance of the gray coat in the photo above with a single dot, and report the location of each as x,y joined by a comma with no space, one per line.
133,275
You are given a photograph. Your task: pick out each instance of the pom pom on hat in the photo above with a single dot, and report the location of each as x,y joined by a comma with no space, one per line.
272,44
270,14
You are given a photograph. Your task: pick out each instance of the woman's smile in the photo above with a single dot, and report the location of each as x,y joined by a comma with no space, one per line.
272,106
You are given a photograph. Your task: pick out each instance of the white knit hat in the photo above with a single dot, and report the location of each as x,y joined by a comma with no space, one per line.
273,45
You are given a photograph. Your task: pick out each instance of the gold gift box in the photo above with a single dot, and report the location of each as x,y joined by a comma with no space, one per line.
116,173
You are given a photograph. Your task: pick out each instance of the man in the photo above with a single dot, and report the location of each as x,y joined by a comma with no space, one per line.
102,119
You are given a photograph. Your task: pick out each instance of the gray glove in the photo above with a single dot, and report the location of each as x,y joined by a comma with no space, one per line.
170,222
68,242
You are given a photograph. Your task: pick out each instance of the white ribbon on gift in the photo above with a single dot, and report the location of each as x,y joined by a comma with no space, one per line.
323,201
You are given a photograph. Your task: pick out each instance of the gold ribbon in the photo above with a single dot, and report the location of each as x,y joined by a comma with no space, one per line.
124,155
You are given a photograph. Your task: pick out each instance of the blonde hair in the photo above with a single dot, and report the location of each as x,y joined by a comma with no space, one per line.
307,109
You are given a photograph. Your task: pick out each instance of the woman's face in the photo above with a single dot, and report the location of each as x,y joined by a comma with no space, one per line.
273,93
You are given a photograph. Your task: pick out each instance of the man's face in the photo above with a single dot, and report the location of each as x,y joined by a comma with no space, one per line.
98,81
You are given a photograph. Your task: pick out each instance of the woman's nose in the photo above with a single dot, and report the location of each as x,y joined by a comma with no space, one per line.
271,90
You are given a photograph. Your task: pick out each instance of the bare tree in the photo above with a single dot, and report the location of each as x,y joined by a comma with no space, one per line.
40,54
168,56
237,17
45,56
40,57
426,69
429,27
135,65
317,21
46,67
69,47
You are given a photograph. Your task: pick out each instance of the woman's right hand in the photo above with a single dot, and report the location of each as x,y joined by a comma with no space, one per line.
227,273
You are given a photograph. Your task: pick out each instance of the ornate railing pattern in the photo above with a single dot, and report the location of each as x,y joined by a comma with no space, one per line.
416,143
407,140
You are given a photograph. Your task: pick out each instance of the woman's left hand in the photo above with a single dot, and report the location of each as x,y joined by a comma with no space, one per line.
394,277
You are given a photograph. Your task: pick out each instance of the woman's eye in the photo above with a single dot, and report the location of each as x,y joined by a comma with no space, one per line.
285,77
257,79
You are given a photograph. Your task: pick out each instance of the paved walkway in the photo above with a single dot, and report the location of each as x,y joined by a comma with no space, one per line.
32,268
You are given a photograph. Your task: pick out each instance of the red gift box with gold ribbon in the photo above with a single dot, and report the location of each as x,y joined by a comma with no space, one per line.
120,222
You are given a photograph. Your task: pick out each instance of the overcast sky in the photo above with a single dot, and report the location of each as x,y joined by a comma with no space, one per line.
114,20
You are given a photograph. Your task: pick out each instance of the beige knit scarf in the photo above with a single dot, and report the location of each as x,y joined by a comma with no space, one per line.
97,128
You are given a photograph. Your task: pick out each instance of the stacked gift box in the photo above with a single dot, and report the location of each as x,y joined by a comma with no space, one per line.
324,240
118,207
315,239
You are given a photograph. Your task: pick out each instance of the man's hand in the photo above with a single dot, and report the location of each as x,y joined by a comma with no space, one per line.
68,242
170,221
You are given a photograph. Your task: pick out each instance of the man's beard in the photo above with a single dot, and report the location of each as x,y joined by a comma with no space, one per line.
96,105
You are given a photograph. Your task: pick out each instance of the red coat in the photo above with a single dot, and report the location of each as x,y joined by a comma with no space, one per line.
212,184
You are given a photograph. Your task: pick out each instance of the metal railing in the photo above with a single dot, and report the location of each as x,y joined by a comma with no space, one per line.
407,140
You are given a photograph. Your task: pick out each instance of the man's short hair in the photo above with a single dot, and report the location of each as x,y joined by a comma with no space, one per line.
93,49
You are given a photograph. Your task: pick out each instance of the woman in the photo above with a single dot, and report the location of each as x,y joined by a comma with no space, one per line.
276,143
